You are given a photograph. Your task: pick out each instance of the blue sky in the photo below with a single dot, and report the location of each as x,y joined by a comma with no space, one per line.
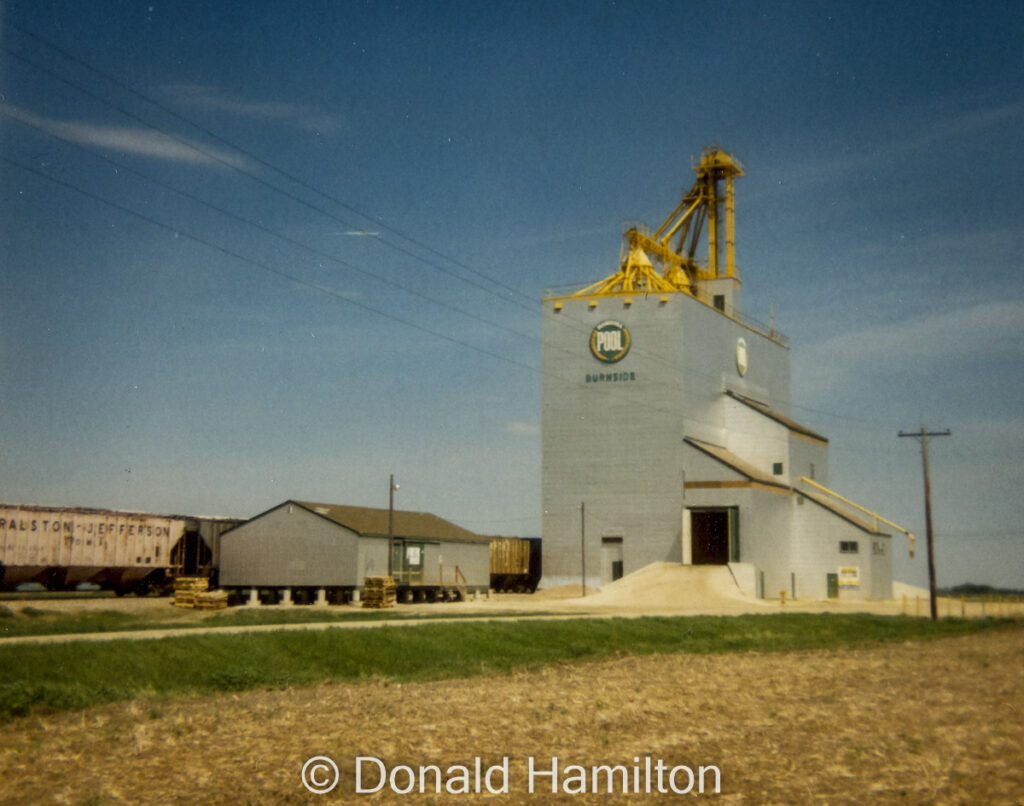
255,251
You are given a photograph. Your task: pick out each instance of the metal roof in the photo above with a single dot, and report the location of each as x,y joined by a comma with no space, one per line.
371,522
734,462
844,513
782,419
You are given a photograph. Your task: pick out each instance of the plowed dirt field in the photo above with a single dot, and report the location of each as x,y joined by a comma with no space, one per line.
924,722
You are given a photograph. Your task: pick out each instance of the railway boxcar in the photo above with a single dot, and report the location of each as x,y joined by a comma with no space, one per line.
515,564
63,547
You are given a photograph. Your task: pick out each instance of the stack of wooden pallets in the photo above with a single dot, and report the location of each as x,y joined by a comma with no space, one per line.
379,592
187,588
212,600
195,592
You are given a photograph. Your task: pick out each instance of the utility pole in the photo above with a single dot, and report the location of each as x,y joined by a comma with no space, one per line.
923,435
583,549
391,523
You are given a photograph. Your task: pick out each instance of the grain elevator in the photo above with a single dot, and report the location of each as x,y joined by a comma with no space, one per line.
666,426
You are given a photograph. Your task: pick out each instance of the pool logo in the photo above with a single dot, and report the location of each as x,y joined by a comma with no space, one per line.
609,341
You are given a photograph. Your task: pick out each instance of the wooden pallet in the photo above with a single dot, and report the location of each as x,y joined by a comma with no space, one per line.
379,592
195,592
211,600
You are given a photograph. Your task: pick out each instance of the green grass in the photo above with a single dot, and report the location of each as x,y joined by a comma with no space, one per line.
29,620
80,674
14,596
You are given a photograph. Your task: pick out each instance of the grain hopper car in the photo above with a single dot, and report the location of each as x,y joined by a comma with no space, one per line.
127,552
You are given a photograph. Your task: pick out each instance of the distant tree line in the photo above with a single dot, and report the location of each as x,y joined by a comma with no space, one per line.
972,589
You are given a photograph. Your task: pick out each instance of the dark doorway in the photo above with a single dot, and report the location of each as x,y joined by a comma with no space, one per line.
611,559
709,531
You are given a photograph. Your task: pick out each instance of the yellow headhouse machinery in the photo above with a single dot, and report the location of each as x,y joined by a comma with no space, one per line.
665,260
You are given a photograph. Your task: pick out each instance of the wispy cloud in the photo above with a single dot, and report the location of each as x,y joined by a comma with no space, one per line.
933,345
956,333
971,122
523,429
920,129
127,139
198,96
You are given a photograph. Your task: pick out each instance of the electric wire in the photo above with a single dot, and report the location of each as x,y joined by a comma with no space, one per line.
286,275
346,264
121,166
583,326
529,302
318,287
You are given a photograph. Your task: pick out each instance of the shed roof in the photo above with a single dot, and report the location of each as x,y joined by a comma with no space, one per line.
845,513
782,419
371,522
734,462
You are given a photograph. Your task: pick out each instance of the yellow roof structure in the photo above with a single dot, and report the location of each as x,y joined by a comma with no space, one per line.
651,263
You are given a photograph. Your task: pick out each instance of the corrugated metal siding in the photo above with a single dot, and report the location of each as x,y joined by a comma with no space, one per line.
817,533
473,560
617,445
372,558
295,546
758,440
291,547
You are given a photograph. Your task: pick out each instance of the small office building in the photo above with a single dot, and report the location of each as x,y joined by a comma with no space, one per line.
302,549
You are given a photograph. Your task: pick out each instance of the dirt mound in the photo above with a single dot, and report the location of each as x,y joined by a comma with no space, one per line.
561,592
673,586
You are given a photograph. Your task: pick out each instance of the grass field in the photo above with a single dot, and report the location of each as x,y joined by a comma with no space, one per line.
37,619
74,675
792,709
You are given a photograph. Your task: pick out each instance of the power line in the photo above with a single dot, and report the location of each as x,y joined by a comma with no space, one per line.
294,278
120,166
302,183
314,286
278,171
232,167
981,536
291,241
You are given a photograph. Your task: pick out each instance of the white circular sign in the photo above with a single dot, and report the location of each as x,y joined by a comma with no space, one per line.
609,341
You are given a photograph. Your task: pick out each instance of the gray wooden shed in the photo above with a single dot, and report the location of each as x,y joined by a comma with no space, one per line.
332,548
